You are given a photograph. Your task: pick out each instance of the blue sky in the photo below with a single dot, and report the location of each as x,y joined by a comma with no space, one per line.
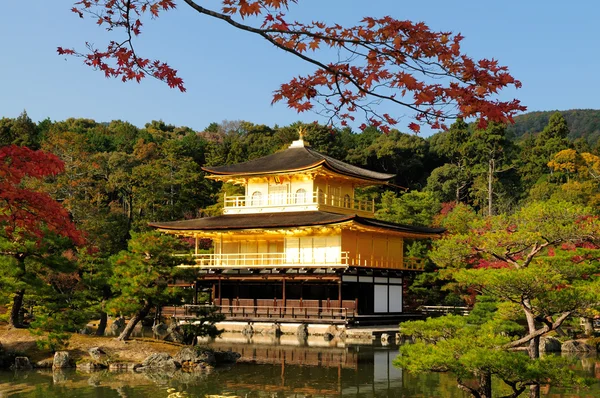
551,46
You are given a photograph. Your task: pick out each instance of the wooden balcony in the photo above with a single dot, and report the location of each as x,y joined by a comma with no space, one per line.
316,311
285,260
298,202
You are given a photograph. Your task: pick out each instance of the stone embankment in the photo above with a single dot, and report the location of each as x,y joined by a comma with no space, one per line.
188,359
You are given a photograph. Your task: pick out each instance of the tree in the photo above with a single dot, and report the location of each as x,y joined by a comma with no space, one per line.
141,276
451,180
28,216
21,131
489,152
474,354
401,62
542,260
411,208
538,151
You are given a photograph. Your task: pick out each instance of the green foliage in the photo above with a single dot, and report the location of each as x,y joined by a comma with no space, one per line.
411,208
20,131
142,273
474,353
203,324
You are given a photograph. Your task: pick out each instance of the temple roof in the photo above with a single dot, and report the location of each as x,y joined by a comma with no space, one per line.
296,158
283,220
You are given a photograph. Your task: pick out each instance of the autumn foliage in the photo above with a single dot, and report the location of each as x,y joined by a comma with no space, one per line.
26,213
380,59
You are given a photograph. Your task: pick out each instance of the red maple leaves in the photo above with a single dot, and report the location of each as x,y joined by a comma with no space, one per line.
380,59
25,213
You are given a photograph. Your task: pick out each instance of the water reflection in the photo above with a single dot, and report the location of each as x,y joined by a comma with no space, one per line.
286,369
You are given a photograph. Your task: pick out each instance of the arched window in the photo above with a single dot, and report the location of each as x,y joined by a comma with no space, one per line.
347,201
300,196
257,198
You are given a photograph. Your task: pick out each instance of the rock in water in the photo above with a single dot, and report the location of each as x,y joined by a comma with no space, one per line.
195,355
248,331
45,363
62,359
576,346
302,332
225,357
175,335
123,366
161,330
22,363
160,360
549,344
98,355
90,366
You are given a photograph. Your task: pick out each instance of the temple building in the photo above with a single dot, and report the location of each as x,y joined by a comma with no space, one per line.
299,245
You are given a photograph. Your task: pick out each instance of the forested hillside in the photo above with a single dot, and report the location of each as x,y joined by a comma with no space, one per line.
76,197
582,123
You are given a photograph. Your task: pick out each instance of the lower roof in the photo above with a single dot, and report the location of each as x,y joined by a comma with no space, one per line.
285,220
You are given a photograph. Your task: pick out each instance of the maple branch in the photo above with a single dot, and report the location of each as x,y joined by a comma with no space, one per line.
383,59
334,71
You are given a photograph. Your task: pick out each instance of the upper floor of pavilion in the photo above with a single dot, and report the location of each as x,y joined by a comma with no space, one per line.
297,179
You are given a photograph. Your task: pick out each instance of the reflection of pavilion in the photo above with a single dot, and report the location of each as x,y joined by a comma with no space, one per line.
314,371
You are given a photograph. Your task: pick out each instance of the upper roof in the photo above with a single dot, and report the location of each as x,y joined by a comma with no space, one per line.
283,220
296,158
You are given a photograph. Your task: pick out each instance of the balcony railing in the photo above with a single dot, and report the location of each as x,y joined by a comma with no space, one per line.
299,200
296,260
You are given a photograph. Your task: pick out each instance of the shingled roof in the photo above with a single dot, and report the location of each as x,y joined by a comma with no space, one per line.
284,220
296,158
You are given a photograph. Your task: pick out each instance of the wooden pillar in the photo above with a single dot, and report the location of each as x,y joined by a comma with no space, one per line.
340,291
196,244
219,291
283,292
213,293
196,292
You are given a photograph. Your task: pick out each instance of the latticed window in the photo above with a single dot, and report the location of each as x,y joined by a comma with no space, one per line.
278,194
347,201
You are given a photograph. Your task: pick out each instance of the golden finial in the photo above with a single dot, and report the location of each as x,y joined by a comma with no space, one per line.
299,143
301,130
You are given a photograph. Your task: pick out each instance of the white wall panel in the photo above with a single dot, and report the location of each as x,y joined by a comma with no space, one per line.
381,298
395,298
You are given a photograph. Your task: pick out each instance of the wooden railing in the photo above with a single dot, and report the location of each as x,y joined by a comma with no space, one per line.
433,310
295,199
294,310
267,260
285,260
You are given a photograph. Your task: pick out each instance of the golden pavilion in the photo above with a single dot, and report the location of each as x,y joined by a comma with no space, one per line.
299,245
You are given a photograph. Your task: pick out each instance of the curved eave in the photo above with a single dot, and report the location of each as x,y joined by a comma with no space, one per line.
322,163
265,226
262,173
253,224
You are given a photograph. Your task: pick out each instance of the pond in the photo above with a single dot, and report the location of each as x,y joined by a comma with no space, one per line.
266,370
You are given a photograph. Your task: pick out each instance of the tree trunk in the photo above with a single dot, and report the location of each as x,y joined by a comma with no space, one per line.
485,385
141,314
15,313
102,325
490,188
533,349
